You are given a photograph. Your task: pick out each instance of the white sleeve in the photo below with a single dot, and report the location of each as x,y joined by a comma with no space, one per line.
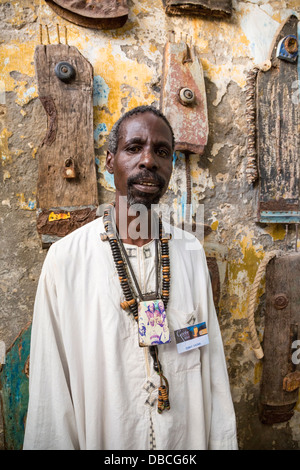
222,426
50,423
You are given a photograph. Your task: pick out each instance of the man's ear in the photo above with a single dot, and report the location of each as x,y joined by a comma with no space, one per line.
110,162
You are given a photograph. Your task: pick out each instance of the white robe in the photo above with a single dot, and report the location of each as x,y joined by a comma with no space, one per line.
89,379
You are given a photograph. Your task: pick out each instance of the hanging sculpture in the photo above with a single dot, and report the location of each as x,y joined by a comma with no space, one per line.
107,14
67,195
183,100
273,126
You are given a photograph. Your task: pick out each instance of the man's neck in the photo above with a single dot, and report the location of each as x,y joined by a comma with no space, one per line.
134,226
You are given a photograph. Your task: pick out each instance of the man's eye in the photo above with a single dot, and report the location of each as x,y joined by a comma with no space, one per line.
133,149
162,152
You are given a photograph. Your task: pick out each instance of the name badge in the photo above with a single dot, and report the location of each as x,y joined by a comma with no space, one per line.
191,337
152,323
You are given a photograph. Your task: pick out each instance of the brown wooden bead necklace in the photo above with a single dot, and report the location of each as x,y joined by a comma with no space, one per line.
122,263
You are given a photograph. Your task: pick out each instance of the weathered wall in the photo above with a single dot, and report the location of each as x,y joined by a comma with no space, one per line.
127,66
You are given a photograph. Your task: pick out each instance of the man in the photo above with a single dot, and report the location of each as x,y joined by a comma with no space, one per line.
91,385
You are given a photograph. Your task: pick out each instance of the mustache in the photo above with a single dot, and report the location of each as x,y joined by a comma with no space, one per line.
146,175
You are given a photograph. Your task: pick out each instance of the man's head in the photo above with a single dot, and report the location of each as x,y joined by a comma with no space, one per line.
140,151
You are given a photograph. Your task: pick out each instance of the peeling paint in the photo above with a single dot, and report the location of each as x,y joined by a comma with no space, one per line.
99,132
100,91
16,56
5,152
107,180
276,231
259,27
30,205
241,272
6,175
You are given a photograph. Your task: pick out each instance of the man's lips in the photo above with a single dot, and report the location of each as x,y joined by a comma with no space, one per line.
147,186
150,184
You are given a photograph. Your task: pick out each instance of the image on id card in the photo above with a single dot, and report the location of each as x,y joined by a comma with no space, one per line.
191,337
153,324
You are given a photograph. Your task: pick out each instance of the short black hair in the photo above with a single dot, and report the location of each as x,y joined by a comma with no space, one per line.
113,137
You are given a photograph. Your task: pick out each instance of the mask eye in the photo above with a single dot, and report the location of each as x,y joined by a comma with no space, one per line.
64,71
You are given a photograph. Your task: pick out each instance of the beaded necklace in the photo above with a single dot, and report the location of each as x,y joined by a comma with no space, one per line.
122,263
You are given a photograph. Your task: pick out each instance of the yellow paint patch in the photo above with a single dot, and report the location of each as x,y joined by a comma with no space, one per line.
127,81
4,150
241,274
153,48
15,56
33,153
258,369
276,231
214,225
250,258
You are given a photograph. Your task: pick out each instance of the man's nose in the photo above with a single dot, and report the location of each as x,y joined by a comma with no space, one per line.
148,160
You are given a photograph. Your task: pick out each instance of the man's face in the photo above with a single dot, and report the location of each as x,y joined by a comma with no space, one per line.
142,165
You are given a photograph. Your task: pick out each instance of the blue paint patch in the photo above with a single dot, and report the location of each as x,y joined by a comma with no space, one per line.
31,204
177,155
100,129
109,179
100,91
182,202
14,386
174,159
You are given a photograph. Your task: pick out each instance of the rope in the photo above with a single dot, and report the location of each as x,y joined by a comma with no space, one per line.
252,304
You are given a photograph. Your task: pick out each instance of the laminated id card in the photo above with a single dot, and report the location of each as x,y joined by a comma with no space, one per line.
152,323
191,337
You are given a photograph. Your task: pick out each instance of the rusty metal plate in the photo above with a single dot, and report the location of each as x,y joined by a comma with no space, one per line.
183,97
107,14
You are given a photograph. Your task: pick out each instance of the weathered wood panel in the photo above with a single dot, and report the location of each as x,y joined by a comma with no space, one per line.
217,8
69,107
278,131
282,327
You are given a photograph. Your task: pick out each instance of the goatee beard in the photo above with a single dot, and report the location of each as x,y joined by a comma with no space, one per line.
145,199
